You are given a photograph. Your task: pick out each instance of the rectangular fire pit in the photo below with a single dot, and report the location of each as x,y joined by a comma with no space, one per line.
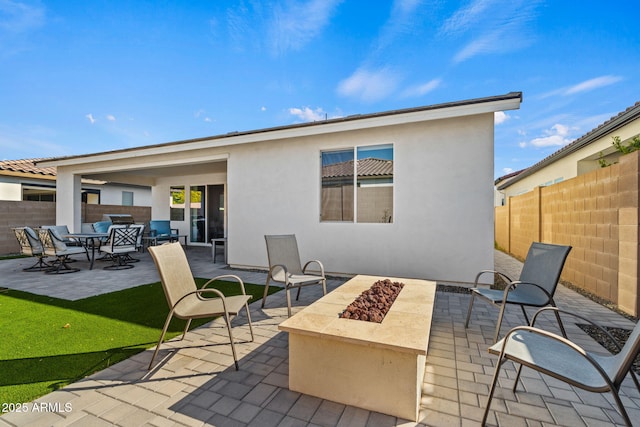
374,366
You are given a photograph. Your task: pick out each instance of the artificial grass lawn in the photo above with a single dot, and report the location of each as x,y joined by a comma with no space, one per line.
48,343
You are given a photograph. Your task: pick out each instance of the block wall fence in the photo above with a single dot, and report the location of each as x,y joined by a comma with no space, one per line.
595,213
35,214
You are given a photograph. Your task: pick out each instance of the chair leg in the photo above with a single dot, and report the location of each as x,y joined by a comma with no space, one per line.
289,301
266,291
164,331
40,265
515,383
186,329
233,347
623,411
561,325
492,390
503,306
473,297
298,293
246,306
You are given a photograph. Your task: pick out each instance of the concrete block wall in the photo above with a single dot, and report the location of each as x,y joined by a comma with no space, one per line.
35,214
597,214
20,214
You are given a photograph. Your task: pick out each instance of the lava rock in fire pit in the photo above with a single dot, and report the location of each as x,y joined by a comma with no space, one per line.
374,303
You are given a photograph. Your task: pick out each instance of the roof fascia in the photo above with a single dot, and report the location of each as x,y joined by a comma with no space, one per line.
510,101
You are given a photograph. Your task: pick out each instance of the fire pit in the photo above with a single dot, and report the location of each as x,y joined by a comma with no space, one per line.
374,303
375,366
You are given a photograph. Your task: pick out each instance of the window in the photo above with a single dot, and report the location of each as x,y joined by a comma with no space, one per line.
360,190
127,198
177,203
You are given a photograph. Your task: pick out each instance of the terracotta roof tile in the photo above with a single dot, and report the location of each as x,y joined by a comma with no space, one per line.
27,166
366,167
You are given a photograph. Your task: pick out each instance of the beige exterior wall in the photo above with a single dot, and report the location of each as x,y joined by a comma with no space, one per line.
597,214
274,188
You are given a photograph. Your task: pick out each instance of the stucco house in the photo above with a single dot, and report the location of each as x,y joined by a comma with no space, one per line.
579,157
412,195
23,179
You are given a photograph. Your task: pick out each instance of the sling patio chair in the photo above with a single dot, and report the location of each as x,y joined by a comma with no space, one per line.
285,267
56,247
31,245
188,302
122,241
536,287
564,360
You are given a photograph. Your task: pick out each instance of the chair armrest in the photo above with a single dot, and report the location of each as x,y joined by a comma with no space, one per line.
175,231
226,276
585,319
200,291
284,268
517,283
504,276
314,261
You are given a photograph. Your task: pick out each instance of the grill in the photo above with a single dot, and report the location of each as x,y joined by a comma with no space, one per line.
118,218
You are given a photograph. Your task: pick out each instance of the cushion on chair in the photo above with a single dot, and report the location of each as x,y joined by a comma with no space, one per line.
101,226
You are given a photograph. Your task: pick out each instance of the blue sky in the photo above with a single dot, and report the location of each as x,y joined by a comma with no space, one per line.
88,76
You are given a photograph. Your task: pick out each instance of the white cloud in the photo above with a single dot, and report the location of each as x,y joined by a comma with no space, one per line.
18,17
507,170
423,89
492,26
369,86
500,117
585,86
592,84
306,114
556,136
90,117
463,18
263,108
111,117
295,25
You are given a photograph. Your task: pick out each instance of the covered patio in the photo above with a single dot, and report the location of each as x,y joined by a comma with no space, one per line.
195,383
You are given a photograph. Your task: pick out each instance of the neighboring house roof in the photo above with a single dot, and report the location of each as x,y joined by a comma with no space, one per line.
27,167
630,114
508,176
370,167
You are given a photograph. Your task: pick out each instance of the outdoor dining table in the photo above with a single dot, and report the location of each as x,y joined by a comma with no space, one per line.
88,240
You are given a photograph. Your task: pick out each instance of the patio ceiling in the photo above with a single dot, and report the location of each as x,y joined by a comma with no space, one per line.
147,175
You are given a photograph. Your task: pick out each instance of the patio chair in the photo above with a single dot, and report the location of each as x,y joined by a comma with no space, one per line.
31,245
139,245
162,232
564,360
122,241
54,246
60,231
188,302
536,287
285,267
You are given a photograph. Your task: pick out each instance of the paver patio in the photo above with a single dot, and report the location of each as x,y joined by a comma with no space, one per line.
195,384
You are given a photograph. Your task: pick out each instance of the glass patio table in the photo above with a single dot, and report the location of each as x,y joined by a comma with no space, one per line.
88,240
